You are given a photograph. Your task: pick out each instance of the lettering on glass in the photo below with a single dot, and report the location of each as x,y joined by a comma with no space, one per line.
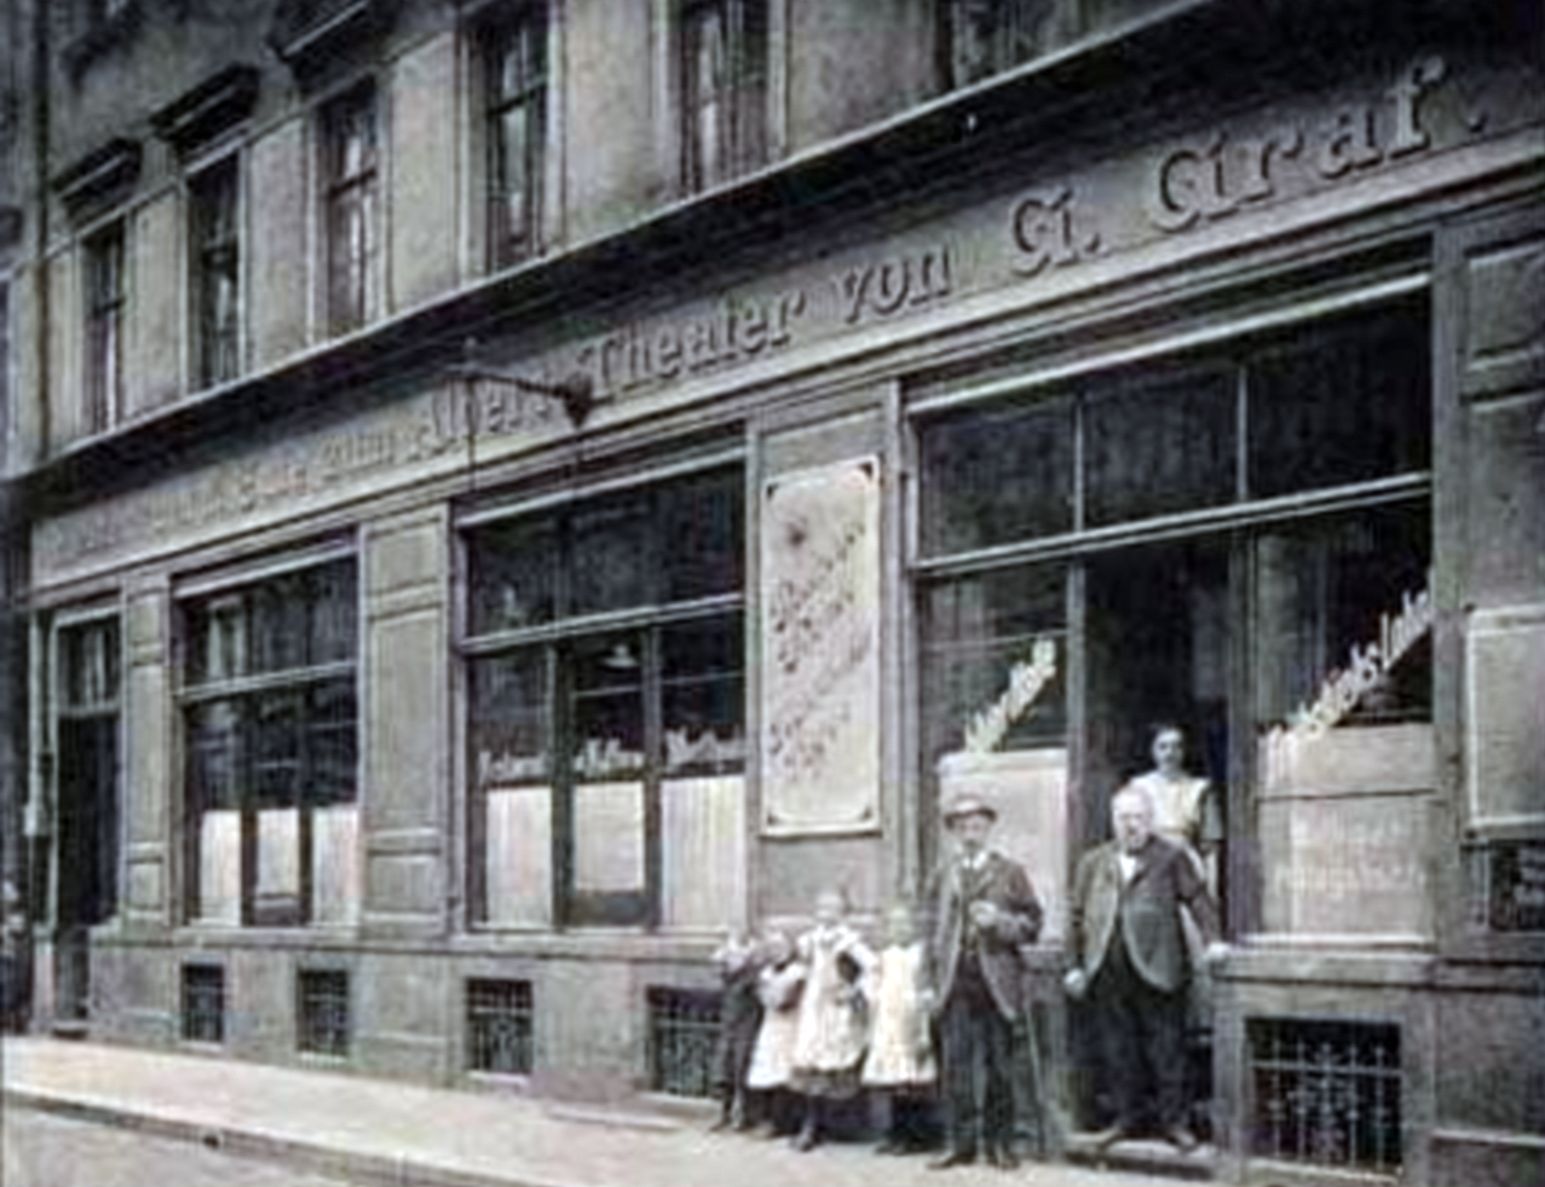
986,730
820,593
1366,668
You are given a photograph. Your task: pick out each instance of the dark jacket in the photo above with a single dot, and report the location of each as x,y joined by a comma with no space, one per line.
1147,910
1004,884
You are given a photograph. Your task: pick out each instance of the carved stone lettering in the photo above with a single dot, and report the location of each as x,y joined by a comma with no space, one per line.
1048,233
886,287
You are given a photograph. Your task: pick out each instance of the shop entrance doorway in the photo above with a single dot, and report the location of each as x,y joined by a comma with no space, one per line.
1158,645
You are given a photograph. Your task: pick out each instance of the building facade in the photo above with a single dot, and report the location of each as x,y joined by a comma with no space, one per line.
509,490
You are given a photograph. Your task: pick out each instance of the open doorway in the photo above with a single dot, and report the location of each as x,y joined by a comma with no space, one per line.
1158,646
86,854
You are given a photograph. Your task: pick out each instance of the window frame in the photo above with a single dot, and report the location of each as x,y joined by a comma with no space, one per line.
105,299
245,690
493,37
746,126
363,188
1002,53
211,176
646,622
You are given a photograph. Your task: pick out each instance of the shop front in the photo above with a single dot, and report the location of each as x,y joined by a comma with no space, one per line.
442,734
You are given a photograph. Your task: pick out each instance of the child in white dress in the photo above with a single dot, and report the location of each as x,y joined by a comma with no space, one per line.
829,1048
900,1062
771,1075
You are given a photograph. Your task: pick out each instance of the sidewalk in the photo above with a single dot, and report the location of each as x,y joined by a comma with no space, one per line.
378,1131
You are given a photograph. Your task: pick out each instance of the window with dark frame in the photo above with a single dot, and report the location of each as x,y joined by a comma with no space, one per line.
105,298
499,1027
980,38
269,706
352,196
514,55
592,720
322,1015
216,261
723,72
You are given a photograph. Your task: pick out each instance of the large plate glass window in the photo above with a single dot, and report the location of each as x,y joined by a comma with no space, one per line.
270,713
606,710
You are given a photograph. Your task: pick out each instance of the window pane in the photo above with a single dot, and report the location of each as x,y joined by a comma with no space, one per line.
989,479
1322,589
607,704
703,697
279,626
276,725
332,747
1328,409
333,614
513,571
705,97
1160,447
995,662
214,755
510,719
612,570
703,523
216,261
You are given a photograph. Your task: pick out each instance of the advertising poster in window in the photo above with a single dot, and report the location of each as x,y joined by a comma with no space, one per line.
820,599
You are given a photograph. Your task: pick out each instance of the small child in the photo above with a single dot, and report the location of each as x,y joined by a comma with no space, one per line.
900,1060
740,1016
829,1047
779,983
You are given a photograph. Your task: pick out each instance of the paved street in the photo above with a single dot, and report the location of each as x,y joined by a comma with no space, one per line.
46,1151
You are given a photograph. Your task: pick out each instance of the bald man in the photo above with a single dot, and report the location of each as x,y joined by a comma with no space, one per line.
1128,955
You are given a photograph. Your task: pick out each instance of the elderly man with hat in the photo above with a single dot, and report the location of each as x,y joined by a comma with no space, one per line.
982,908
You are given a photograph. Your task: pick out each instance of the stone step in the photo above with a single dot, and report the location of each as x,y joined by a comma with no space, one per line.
1145,1156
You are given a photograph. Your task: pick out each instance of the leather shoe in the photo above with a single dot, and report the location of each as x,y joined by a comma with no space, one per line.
1181,1138
1003,1158
952,1159
1104,1139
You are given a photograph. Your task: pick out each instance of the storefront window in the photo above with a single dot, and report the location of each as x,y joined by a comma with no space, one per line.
612,754
1158,446
272,750
1332,409
993,478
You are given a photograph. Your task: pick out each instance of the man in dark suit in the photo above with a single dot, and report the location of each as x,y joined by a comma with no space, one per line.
1128,953
981,909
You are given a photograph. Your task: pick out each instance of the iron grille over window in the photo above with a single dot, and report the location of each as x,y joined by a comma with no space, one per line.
723,89
216,268
203,1003
516,64
350,167
499,1027
683,1029
1326,1093
322,1013
104,327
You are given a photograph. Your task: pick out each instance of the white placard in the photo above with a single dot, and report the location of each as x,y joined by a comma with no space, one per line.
608,837
820,624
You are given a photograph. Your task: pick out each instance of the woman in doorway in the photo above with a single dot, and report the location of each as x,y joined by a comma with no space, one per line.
1184,807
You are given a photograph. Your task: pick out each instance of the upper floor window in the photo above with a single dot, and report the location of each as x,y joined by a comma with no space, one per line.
723,89
5,370
105,296
351,174
216,260
515,64
979,38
